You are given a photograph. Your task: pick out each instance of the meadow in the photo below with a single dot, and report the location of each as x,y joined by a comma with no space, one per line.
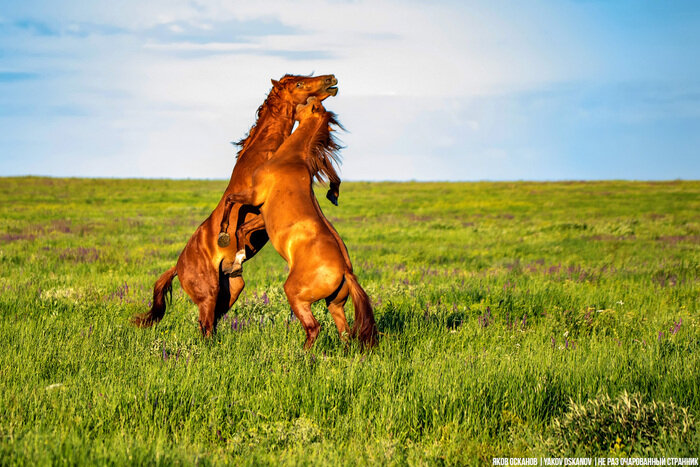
516,319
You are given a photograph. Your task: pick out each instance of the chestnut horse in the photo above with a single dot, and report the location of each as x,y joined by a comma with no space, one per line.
319,266
201,264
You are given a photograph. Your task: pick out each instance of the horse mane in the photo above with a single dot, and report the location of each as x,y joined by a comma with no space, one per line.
273,105
323,151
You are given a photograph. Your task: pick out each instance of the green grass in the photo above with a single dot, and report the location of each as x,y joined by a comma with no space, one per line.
502,308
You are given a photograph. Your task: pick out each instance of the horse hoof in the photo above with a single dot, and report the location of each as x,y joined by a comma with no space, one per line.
224,239
332,197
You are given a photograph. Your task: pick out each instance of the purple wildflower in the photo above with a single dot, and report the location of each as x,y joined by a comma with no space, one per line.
661,336
485,319
266,301
676,327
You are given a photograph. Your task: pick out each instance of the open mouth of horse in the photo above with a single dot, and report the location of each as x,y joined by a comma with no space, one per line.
332,90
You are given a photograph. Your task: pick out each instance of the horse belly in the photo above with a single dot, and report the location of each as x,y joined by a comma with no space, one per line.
288,234
316,267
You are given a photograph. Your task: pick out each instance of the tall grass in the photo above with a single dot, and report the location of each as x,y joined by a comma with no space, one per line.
503,309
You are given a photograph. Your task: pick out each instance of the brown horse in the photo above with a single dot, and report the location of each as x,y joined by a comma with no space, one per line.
324,171
319,266
201,264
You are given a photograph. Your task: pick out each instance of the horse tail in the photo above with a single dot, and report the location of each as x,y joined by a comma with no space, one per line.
162,287
334,233
364,329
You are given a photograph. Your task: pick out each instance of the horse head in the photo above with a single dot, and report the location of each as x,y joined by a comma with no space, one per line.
297,89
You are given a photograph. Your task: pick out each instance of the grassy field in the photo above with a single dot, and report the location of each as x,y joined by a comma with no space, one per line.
516,319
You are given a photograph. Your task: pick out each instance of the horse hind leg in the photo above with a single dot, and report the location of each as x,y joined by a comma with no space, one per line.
201,282
336,307
302,310
207,316
211,309
229,290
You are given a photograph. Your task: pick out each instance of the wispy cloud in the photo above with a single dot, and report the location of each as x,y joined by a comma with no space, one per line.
194,50
36,27
212,31
75,29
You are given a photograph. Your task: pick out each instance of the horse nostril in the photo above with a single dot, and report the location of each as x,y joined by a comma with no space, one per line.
329,80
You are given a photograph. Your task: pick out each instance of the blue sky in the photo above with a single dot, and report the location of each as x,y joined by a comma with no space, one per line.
491,90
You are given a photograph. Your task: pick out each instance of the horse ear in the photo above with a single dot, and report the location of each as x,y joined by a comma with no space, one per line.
275,83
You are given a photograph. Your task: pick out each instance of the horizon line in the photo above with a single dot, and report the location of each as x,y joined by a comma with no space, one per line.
520,180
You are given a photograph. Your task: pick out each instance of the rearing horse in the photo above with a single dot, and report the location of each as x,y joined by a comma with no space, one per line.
319,266
199,266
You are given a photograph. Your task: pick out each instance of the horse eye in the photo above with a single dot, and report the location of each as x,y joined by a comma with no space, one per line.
300,84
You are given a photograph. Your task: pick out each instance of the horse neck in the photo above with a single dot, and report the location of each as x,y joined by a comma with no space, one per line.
272,128
299,144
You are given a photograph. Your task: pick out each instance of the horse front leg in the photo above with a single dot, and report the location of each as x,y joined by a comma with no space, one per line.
246,229
224,238
242,234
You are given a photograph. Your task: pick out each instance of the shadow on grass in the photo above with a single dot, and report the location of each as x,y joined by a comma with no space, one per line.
395,320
